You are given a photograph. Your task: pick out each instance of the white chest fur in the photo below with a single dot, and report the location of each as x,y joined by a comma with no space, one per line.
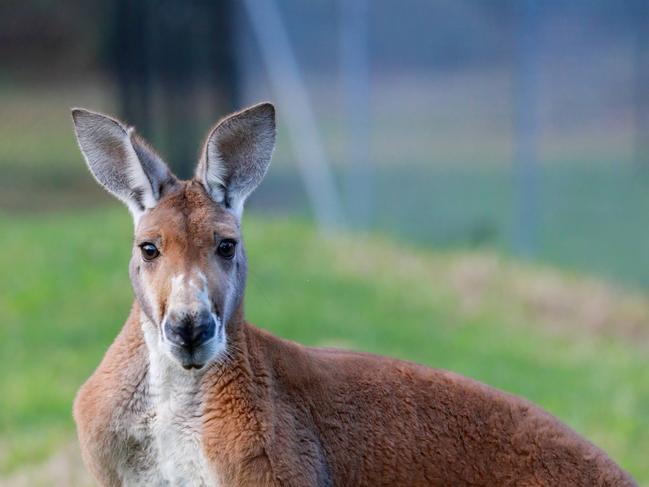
176,427
171,428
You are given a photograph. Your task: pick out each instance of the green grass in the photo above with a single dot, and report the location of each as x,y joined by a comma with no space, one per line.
65,293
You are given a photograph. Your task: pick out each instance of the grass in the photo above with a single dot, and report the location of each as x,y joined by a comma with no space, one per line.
533,331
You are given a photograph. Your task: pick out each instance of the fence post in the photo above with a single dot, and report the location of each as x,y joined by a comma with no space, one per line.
295,109
526,129
354,64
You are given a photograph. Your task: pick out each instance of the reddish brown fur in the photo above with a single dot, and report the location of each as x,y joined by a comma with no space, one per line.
183,226
278,413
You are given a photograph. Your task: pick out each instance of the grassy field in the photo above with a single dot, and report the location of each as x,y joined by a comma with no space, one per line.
576,346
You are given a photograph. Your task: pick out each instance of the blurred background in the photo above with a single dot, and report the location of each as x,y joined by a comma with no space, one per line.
460,183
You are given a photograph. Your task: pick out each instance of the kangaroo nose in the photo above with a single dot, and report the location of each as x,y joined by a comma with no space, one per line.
190,331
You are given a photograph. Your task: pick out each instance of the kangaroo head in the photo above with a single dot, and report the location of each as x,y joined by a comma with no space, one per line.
188,267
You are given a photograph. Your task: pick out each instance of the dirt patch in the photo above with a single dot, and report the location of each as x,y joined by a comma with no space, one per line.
552,298
485,282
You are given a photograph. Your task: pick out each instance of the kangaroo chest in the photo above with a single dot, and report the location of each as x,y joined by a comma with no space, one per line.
163,431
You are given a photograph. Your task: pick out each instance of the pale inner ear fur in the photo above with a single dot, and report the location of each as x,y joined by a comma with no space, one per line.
121,161
237,154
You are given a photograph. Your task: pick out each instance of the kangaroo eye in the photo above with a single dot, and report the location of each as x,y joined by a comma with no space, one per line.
149,251
226,248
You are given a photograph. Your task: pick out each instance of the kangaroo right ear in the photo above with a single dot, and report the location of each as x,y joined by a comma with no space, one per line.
121,161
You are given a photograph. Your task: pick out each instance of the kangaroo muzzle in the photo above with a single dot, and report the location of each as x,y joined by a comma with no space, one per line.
190,331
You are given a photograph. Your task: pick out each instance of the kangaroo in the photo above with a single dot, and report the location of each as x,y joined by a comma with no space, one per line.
190,394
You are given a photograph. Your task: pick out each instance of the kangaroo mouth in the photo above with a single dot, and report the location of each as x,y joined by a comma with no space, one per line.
197,358
191,366
191,360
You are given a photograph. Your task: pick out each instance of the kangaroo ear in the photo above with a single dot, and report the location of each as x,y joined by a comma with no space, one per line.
121,161
236,155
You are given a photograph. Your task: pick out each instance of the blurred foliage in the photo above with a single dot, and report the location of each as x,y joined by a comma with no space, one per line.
66,293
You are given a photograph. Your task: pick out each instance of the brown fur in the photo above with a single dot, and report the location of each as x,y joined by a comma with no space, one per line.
184,226
276,413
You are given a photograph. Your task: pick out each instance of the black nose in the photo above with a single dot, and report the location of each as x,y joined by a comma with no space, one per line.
190,331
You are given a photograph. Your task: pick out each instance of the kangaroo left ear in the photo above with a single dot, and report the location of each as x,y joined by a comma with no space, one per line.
237,154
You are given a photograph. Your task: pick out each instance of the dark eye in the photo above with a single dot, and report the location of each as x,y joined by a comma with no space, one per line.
226,248
149,251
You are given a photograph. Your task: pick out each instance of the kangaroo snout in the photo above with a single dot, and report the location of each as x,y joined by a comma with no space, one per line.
190,331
